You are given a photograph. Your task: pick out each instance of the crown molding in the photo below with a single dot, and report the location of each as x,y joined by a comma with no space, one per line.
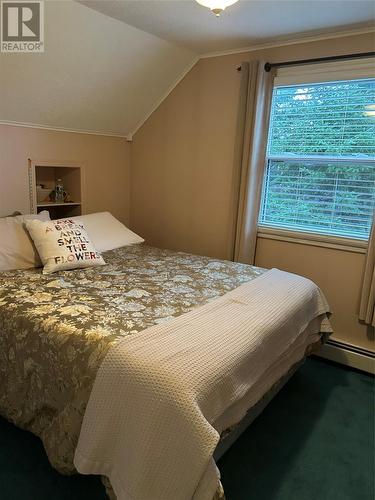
294,41
129,136
303,38
62,129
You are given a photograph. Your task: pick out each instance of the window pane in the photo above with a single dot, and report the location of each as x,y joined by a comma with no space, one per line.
334,198
336,119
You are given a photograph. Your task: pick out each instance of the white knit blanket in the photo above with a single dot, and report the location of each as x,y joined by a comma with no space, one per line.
148,423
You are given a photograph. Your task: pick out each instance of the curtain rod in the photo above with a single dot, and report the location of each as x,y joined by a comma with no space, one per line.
268,66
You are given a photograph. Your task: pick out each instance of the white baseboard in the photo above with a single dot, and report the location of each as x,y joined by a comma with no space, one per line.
354,358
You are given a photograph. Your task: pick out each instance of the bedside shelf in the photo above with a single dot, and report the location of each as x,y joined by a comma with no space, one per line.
51,204
46,173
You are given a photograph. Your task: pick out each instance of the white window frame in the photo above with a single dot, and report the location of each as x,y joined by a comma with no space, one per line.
308,74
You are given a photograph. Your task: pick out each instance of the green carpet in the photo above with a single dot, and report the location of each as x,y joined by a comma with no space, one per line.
314,441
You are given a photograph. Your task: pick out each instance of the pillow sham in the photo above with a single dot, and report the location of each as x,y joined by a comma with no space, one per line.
106,232
63,244
17,250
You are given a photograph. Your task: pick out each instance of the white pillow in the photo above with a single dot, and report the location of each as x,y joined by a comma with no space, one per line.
63,244
106,232
17,250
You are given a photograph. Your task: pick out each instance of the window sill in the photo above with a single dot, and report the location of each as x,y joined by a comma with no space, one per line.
313,239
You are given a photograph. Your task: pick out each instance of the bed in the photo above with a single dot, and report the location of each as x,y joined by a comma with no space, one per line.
56,330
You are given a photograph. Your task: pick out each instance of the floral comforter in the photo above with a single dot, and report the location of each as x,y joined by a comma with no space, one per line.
56,329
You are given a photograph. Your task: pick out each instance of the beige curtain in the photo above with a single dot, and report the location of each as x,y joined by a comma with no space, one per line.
253,120
367,305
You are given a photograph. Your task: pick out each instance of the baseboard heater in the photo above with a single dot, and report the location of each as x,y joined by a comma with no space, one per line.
348,355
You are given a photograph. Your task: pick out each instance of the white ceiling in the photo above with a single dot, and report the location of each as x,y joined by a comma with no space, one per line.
244,24
97,74
105,75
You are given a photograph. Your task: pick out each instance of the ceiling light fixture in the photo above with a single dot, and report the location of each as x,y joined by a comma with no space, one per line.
216,6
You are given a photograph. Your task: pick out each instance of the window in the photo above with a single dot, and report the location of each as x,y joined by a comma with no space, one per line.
320,174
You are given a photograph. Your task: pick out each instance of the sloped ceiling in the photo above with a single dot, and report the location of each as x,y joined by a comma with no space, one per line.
97,74
108,64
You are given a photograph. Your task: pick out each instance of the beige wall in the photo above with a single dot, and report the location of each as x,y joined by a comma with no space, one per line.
106,162
337,272
181,178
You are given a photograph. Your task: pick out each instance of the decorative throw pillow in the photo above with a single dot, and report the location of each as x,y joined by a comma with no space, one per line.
63,244
17,250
